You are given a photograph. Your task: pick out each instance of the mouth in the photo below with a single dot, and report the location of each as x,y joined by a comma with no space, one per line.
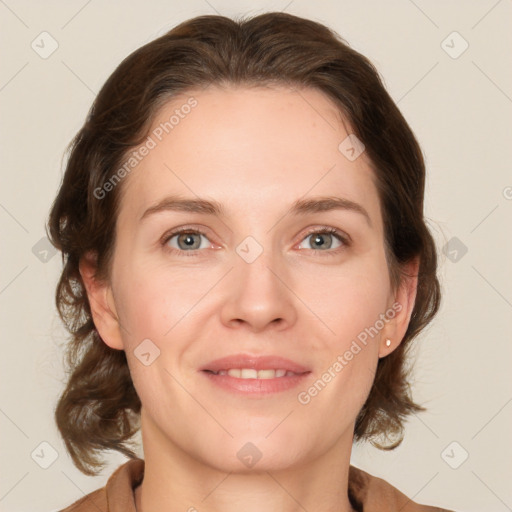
254,375
251,373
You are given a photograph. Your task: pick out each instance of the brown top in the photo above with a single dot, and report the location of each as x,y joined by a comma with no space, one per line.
374,494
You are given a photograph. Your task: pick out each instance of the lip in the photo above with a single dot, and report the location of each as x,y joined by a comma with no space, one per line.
254,386
256,362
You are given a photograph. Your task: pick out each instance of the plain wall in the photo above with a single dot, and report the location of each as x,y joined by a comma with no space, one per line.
460,110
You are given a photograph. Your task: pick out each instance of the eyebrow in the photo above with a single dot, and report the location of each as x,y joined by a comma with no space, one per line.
298,207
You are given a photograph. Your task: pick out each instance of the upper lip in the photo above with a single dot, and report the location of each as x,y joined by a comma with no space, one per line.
254,362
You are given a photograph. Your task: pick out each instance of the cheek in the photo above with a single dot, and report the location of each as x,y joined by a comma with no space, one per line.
350,299
358,299
154,299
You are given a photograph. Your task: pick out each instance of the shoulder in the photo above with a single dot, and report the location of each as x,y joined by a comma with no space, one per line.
377,495
117,494
95,502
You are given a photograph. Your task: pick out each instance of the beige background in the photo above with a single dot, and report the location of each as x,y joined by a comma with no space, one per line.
460,109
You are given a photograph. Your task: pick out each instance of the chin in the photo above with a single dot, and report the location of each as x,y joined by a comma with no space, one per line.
257,452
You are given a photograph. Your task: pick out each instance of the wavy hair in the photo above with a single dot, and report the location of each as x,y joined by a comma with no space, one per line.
99,409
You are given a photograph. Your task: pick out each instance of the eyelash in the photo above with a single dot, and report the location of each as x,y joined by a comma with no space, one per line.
344,239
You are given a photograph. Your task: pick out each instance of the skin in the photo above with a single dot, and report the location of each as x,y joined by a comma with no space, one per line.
255,151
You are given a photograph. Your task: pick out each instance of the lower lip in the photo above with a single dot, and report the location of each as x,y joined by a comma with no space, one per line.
255,386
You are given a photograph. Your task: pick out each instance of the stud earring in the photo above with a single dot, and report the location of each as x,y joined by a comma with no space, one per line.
388,342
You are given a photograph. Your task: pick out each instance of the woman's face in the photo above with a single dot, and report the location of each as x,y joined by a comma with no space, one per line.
248,175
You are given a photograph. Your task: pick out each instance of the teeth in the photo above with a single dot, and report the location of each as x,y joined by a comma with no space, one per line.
251,373
247,374
266,374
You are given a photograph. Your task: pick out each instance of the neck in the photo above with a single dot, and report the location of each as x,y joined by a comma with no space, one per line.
176,482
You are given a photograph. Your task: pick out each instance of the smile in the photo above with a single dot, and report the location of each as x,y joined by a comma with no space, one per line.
251,373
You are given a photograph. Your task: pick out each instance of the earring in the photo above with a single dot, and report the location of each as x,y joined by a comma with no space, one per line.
388,342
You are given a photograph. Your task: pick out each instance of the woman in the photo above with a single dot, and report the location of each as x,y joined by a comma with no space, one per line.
246,263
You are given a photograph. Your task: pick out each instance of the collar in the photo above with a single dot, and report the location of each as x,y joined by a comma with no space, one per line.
372,493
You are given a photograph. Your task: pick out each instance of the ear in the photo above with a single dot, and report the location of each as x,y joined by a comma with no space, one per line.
402,303
102,303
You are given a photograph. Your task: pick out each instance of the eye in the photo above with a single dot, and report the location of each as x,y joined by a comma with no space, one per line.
324,240
187,240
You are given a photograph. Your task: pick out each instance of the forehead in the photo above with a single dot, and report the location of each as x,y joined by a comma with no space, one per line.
248,148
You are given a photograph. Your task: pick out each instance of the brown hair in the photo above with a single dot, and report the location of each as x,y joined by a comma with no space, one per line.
100,409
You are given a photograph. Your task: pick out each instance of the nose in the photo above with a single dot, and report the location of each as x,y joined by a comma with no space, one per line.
258,296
